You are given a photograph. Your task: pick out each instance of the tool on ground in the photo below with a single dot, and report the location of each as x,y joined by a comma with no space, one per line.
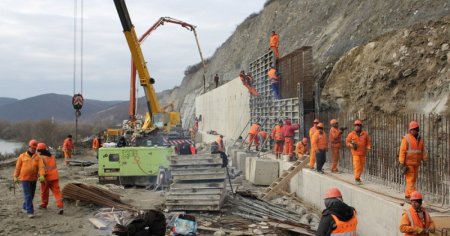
229,180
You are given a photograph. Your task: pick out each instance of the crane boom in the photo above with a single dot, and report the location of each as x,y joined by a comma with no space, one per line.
159,22
136,53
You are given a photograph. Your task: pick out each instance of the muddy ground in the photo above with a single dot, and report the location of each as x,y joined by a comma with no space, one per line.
75,218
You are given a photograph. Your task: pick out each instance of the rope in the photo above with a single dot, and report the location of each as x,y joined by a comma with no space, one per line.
81,49
74,44
75,24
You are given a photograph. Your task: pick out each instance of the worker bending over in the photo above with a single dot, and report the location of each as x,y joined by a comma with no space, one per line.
301,149
262,136
278,137
412,153
51,179
253,136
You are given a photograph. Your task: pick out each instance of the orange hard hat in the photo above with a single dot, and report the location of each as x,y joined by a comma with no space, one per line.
357,122
413,125
320,125
316,121
416,196
333,193
333,121
304,140
41,146
33,143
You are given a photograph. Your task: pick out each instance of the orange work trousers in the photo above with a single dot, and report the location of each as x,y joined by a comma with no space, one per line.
411,178
278,147
275,51
358,166
334,159
252,138
54,186
312,158
288,146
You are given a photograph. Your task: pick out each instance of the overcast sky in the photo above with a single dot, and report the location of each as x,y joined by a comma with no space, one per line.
37,37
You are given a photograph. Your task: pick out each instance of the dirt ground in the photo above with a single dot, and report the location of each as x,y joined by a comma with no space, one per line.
75,218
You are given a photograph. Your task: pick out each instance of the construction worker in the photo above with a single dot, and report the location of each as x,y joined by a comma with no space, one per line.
274,82
359,142
412,153
220,145
29,169
320,146
335,144
273,44
288,133
338,218
216,80
278,137
51,179
301,148
262,136
312,158
253,135
95,145
68,148
416,220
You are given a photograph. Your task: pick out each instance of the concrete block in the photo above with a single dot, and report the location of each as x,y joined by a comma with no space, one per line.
232,155
248,166
263,171
241,157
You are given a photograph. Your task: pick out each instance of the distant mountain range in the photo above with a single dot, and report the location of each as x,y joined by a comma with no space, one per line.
59,108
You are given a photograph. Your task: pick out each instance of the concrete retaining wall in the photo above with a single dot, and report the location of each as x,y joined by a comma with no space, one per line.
225,109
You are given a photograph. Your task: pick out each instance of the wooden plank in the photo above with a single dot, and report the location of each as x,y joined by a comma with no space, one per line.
98,223
290,228
193,197
286,179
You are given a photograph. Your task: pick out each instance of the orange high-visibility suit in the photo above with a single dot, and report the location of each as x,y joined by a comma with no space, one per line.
67,148
277,135
51,181
253,135
262,136
300,149
273,44
319,143
412,223
95,144
335,146
312,153
412,153
28,168
363,143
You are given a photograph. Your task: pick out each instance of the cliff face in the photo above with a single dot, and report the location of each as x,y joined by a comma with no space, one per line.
331,27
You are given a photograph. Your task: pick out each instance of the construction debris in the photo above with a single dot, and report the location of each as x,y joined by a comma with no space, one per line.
95,195
274,215
198,183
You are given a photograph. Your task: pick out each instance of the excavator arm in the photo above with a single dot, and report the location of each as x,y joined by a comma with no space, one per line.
138,58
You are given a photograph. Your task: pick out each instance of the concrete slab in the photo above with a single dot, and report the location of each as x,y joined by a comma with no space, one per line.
232,155
241,156
263,171
248,167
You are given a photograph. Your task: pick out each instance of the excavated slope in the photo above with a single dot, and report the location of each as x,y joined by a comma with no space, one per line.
404,71
330,27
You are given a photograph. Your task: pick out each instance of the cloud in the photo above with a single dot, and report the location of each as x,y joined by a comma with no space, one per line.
37,38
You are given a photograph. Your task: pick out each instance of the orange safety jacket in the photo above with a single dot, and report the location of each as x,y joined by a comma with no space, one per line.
95,144
51,172
262,134
312,131
272,74
28,168
411,221
220,144
335,137
319,141
277,133
274,40
300,148
254,129
68,144
345,228
362,141
412,151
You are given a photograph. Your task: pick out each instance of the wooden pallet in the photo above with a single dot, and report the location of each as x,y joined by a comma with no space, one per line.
284,179
198,183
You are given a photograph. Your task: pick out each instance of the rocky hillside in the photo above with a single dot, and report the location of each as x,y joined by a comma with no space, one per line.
404,71
331,27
